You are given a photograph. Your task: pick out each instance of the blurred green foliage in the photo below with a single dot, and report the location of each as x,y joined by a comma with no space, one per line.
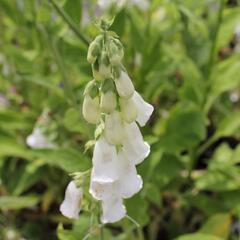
184,58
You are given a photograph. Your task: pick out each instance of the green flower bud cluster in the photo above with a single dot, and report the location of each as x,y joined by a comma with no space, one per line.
105,54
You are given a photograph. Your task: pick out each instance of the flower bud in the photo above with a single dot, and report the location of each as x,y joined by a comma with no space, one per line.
108,102
104,65
115,52
96,71
113,128
128,109
91,109
94,49
124,85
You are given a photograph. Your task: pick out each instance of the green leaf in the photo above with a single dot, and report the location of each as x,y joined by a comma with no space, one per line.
69,160
185,128
74,10
198,236
14,203
167,169
141,215
73,122
230,125
218,225
219,179
64,234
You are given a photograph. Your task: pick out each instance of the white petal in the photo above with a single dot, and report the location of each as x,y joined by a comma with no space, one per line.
129,182
104,161
113,210
91,109
124,85
71,205
128,109
113,128
134,146
108,102
101,190
37,140
144,109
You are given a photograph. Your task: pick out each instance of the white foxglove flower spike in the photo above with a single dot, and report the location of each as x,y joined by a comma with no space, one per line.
119,146
71,204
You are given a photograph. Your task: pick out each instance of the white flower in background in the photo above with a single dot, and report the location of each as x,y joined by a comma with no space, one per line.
124,85
38,140
106,4
71,204
237,33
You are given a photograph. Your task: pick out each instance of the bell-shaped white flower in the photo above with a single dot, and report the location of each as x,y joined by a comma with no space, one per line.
144,109
124,85
102,190
108,102
113,210
114,128
91,109
38,140
129,110
129,181
71,204
134,146
104,161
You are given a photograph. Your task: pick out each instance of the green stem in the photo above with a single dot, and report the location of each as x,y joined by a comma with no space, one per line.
68,20
212,53
214,39
61,67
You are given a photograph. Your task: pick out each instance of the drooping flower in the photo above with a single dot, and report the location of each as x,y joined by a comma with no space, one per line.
144,109
129,110
91,103
91,109
37,140
134,145
104,161
71,204
124,85
113,131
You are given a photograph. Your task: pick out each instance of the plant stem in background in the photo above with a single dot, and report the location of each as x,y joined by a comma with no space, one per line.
68,20
193,154
67,86
214,39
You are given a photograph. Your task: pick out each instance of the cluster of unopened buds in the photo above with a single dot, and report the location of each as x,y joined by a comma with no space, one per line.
111,102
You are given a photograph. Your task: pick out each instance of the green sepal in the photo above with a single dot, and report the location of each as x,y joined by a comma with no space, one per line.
108,85
92,89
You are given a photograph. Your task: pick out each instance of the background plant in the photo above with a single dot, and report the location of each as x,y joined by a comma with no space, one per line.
183,57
